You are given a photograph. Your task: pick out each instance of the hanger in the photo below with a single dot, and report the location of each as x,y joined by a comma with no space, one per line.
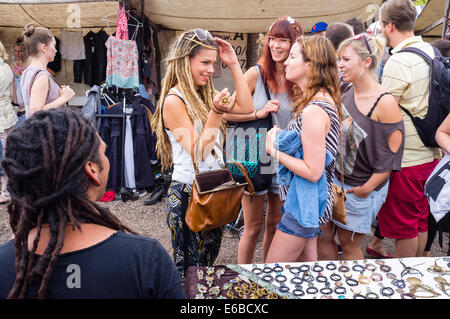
108,21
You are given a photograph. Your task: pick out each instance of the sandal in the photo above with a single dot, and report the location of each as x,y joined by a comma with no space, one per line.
376,254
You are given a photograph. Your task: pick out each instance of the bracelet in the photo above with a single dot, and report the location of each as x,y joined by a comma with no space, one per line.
364,280
297,280
255,115
317,268
358,268
372,295
307,277
321,278
399,283
267,278
267,269
371,267
280,278
351,282
283,288
385,268
298,292
304,268
343,268
326,291
335,277
376,277
340,290
297,270
278,268
257,271
387,291
311,290
331,266
213,108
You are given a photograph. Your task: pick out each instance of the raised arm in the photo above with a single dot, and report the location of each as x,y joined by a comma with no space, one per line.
242,95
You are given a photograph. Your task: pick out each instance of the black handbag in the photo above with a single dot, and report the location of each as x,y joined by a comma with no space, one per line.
246,144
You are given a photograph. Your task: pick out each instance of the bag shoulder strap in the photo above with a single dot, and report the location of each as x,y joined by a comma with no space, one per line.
266,87
32,80
419,52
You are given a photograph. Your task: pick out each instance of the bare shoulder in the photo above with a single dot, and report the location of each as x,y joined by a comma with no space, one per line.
314,114
174,111
388,109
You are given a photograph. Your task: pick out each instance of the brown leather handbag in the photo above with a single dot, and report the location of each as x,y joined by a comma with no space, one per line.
215,198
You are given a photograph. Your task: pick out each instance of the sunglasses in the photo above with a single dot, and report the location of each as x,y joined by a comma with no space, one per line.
202,35
363,35
291,22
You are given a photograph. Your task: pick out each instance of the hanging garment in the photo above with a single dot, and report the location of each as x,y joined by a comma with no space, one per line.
94,67
148,141
122,63
72,45
129,170
111,133
122,23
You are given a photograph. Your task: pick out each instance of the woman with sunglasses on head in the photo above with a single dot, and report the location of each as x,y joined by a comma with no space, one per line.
282,34
189,124
39,89
312,67
372,141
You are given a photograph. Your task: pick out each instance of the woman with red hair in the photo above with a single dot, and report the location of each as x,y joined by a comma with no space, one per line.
281,36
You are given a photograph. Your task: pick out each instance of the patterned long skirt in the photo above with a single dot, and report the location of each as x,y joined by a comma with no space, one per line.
189,248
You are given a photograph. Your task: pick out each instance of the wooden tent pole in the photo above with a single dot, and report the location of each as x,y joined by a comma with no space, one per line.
446,16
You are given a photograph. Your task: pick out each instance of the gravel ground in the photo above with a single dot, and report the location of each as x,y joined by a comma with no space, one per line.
151,221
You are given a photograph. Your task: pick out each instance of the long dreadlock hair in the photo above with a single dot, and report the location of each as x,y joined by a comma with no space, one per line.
198,100
44,160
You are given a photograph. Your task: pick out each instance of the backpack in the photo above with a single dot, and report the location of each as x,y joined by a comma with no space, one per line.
439,96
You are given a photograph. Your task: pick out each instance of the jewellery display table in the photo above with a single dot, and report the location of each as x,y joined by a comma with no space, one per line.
407,278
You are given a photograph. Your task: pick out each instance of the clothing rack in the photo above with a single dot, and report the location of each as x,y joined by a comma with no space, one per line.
124,193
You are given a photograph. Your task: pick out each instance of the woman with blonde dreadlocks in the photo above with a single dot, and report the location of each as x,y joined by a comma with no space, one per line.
189,124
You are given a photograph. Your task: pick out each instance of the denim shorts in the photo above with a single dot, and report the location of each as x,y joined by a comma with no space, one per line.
289,225
274,188
362,212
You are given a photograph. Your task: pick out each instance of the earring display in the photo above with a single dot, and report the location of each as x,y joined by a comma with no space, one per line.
407,278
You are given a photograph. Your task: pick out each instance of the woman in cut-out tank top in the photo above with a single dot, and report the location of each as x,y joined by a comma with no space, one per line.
372,132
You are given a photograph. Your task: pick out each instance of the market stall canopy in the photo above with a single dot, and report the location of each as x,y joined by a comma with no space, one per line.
57,14
252,16
431,20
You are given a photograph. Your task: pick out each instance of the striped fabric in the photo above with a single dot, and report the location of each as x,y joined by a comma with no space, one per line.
332,144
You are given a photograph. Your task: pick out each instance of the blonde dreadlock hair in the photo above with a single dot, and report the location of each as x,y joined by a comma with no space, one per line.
198,100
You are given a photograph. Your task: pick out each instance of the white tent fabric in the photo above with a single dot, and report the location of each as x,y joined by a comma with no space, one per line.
431,20
56,14
252,16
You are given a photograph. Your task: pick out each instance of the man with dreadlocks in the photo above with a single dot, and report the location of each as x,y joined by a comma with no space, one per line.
66,245
189,124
